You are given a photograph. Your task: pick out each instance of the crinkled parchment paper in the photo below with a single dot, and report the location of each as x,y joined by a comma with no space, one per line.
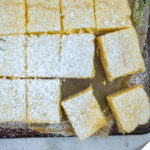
72,86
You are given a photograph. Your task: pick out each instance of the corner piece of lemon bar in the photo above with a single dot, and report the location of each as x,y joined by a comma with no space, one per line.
43,16
43,101
78,15
130,108
12,100
112,14
120,53
84,113
12,16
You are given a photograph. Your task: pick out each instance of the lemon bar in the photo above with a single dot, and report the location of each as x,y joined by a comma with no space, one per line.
120,53
112,14
43,101
43,16
12,56
78,15
84,113
12,100
130,108
12,16
43,55
77,56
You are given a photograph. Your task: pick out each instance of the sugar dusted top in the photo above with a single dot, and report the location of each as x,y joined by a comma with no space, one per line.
112,14
78,14
84,113
12,100
132,107
12,16
12,57
43,16
43,55
77,56
44,101
121,53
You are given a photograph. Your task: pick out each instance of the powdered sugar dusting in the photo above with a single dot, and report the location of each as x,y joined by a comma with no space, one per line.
78,14
44,101
142,77
122,55
64,128
12,58
77,56
12,100
112,14
84,113
43,16
73,58
138,79
12,16
132,108
43,55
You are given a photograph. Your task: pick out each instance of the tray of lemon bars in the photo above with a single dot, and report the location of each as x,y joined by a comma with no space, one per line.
74,68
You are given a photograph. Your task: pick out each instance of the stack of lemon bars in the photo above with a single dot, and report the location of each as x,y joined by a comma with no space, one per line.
44,41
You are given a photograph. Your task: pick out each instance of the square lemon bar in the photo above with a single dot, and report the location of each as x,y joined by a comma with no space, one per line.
12,56
43,55
84,113
120,53
112,14
78,14
12,16
43,101
12,100
43,16
77,56
130,108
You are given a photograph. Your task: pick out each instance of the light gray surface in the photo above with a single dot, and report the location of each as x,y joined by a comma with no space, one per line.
93,143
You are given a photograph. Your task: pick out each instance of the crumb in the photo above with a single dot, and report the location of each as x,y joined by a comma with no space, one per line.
104,82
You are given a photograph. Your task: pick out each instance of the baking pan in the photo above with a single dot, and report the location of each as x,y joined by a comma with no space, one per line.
25,133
